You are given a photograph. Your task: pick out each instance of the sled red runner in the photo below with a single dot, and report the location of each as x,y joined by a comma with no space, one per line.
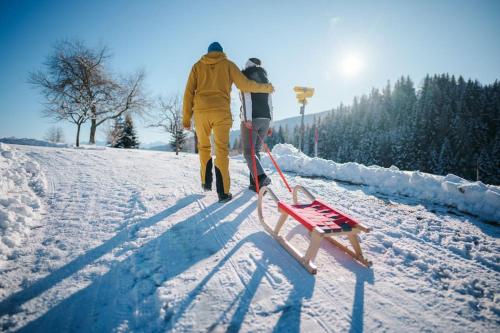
320,219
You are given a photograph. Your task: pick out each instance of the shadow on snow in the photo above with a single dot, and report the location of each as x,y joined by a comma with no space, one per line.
11,304
124,296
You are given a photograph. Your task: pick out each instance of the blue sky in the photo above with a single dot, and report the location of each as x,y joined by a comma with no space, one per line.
300,43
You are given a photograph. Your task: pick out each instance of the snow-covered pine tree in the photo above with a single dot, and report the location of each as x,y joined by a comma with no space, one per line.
281,135
271,140
128,138
489,162
178,139
404,99
447,127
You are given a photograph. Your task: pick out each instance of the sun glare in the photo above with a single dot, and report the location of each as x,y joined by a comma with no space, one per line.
351,65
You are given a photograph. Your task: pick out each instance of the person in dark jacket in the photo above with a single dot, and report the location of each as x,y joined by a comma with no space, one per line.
256,115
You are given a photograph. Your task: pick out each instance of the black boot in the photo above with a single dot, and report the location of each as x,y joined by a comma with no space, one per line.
207,187
252,183
225,197
264,180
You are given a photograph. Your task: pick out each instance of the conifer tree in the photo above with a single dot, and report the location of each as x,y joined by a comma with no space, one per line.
128,138
448,126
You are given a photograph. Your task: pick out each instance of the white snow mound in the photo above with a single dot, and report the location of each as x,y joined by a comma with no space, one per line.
470,197
21,184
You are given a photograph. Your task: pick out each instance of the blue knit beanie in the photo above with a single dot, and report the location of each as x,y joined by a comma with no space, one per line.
215,46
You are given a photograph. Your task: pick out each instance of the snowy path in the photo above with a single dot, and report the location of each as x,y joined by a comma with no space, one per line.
128,243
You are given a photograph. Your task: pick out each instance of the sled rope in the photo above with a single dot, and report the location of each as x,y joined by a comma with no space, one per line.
275,164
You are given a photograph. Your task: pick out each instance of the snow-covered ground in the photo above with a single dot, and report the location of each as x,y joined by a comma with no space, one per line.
125,241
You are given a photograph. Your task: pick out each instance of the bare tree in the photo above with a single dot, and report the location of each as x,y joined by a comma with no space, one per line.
54,134
77,87
124,97
74,82
169,118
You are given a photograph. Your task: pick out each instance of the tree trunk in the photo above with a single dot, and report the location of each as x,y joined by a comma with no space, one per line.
78,134
93,128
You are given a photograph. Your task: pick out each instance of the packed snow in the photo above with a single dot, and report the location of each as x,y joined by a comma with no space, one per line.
125,241
471,197
21,185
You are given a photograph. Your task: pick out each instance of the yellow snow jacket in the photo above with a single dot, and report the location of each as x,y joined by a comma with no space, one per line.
209,86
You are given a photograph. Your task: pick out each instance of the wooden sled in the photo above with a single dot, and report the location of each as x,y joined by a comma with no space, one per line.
321,220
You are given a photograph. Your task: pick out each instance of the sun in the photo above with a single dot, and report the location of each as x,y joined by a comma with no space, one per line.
351,65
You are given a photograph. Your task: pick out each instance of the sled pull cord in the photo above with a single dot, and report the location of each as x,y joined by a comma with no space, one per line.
254,162
274,162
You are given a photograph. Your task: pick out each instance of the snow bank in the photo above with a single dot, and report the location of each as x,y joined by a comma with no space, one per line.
31,142
21,184
471,197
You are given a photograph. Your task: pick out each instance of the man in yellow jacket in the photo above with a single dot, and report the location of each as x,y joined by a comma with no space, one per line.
207,99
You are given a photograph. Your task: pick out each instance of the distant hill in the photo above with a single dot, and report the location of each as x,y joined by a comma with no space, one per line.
308,119
32,142
164,147
156,145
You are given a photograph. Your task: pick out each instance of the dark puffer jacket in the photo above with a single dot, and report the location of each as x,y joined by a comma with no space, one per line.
256,105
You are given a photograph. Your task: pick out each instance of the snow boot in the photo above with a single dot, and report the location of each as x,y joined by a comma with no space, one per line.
252,183
206,187
225,197
263,181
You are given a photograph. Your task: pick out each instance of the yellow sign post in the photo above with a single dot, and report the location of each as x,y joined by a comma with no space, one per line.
303,93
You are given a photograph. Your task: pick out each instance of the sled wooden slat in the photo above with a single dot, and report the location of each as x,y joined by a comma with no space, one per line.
318,214
322,221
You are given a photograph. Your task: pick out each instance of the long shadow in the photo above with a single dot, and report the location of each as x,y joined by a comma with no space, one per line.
362,273
358,306
302,288
12,303
125,294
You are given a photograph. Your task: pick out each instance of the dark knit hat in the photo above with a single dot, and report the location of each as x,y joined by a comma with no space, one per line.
255,61
215,47
252,62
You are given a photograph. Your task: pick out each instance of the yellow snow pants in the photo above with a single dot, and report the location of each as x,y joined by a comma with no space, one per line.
219,123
